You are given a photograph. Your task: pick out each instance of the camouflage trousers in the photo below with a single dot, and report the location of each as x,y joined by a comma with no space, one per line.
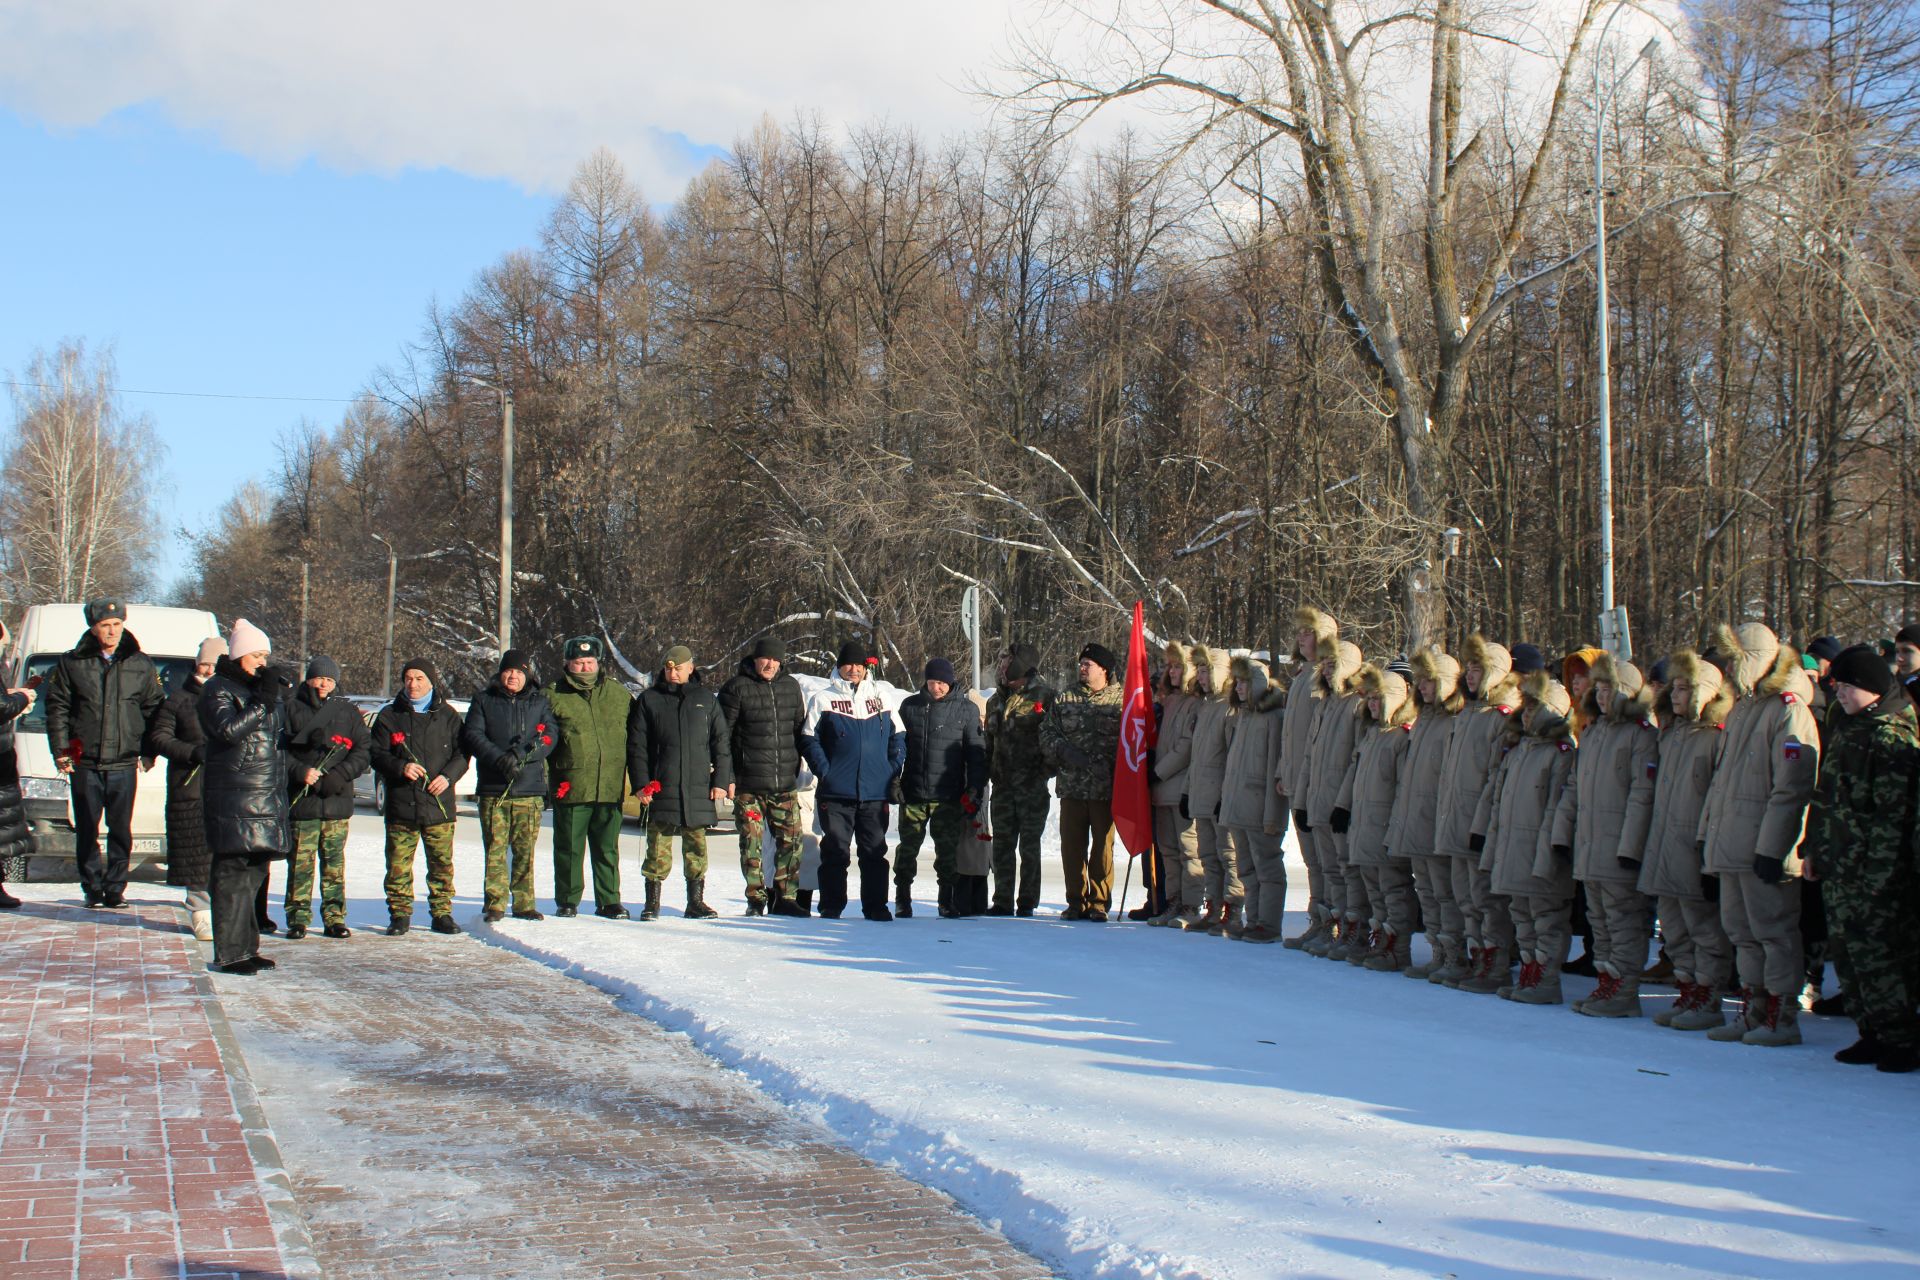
322,840
1019,820
948,822
1871,943
754,815
402,839
511,827
693,851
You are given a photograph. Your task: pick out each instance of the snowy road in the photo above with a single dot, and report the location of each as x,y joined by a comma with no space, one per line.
1127,1101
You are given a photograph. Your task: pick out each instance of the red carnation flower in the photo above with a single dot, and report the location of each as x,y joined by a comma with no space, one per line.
339,740
873,662
545,741
399,739
1039,709
753,815
539,728
650,790
560,792
74,751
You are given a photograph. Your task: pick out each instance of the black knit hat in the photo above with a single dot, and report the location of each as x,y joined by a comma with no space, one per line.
1527,659
321,667
770,647
1909,634
1097,652
1826,648
1863,668
942,670
424,667
854,653
516,660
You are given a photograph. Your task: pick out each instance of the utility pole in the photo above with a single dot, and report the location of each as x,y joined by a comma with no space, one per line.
393,578
305,652
506,507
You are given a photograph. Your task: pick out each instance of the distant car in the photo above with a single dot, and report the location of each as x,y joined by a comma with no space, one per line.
370,788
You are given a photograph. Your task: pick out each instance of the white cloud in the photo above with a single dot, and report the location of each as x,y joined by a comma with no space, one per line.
497,89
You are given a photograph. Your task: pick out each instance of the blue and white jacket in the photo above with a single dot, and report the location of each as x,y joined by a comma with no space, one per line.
855,745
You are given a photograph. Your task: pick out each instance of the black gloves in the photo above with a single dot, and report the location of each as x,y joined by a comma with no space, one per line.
333,784
1300,820
1629,864
1770,870
1183,808
1564,852
273,688
1476,842
1340,820
199,755
894,794
1710,887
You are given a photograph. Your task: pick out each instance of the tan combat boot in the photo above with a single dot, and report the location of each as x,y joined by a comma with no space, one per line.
1545,988
1436,958
1752,1009
1394,953
1779,1023
1702,1012
1494,972
1204,922
1615,997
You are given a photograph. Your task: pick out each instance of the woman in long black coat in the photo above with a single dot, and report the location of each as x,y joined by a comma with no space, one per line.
244,795
176,736
16,836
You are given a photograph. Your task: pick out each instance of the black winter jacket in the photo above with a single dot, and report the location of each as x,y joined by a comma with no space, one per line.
244,780
502,726
105,706
176,737
766,720
946,750
432,740
312,725
677,737
16,837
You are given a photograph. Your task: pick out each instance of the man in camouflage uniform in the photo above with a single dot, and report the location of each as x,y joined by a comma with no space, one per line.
327,748
509,733
1080,735
1861,824
766,713
681,767
1018,771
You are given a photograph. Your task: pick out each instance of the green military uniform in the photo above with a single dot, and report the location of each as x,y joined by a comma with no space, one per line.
1080,735
693,851
588,774
322,841
1861,823
948,822
1020,801
402,839
510,826
755,814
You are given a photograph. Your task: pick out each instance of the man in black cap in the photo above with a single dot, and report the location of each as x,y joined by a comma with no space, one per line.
327,748
101,697
856,747
1019,772
1080,735
766,711
587,774
944,781
416,751
1527,659
509,733
1906,659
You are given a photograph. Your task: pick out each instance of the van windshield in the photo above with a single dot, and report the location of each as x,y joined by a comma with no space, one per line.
173,673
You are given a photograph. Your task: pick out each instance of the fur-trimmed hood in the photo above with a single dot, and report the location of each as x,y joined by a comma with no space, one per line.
1546,709
1713,697
1761,664
1444,671
1178,658
1632,699
1397,706
1498,685
1326,632
1261,696
1216,664
1578,661
1347,663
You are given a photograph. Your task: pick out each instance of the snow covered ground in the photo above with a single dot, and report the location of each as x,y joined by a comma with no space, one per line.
1127,1101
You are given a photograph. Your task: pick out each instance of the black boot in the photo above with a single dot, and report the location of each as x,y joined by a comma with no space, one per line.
397,925
1863,1052
697,908
946,902
803,898
902,902
652,910
7,901
756,905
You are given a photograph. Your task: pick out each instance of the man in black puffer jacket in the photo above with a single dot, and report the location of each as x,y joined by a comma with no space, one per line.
766,713
416,751
244,790
680,766
509,733
101,697
945,777
328,747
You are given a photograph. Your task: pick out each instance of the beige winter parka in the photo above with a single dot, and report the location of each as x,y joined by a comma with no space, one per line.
1663,814
1336,730
1248,800
1474,748
1173,749
1615,749
1212,733
1305,695
1516,810
1416,805
1379,765
1769,758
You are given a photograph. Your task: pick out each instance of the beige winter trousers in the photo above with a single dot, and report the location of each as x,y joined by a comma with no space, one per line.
1220,876
1763,923
1389,896
1542,927
1695,941
1263,875
1622,920
1488,915
1178,844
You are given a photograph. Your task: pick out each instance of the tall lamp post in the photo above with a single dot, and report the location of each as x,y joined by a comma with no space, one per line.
393,577
506,508
1615,637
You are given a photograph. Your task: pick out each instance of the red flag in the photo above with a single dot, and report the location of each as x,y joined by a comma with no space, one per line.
1132,775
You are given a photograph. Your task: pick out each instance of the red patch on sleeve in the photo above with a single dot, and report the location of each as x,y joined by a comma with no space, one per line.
1566,746
1653,769
1506,711
1789,698
1791,749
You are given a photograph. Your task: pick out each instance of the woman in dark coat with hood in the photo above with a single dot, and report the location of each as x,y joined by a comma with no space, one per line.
16,837
176,736
244,787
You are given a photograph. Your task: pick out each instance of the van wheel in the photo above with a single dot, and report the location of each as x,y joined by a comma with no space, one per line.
14,868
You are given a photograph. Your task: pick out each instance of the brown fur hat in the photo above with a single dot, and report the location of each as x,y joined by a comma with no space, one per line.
1326,632
1713,695
1397,705
1444,671
1631,697
1498,685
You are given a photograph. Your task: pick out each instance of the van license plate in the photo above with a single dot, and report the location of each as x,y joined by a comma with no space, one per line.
146,844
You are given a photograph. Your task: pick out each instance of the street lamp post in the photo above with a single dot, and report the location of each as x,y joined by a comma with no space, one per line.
506,508
1614,636
393,578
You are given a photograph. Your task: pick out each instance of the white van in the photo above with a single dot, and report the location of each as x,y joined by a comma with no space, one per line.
171,637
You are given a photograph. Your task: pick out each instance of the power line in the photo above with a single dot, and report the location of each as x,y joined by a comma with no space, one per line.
197,395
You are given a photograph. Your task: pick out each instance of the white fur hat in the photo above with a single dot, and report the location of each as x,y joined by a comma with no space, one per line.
247,638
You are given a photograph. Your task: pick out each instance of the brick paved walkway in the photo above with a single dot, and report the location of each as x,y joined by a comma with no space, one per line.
123,1151
445,1108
